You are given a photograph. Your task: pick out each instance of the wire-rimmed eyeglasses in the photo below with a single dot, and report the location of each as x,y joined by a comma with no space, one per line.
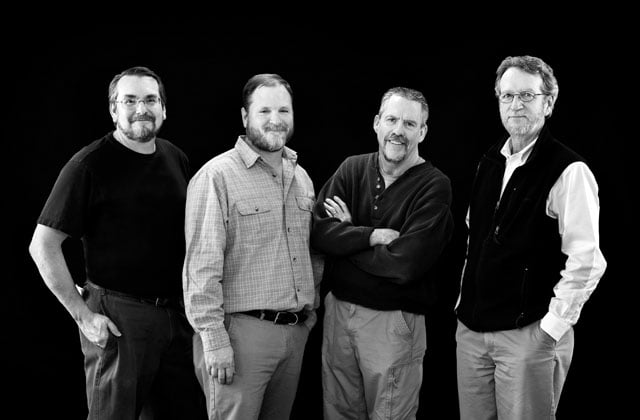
149,102
524,96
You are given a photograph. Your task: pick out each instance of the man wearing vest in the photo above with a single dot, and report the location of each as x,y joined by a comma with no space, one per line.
533,257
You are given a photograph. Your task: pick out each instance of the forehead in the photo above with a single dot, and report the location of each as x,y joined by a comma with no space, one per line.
515,79
137,86
270,96
398,105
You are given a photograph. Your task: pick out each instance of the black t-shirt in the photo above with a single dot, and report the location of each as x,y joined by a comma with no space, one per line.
128,209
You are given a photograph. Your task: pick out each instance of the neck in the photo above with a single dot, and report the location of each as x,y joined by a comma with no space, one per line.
145,148
395,169
273,159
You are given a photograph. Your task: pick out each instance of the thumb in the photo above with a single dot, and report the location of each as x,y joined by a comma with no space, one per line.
114,330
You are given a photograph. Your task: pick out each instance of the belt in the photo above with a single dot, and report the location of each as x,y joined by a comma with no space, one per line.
150,300
280,318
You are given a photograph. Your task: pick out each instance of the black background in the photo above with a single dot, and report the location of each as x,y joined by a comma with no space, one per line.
56,79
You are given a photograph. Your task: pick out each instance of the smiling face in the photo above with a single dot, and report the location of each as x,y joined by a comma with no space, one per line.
142,122
523,119
269,119
400,128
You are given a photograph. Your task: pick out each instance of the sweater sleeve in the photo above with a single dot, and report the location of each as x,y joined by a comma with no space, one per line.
423,236
329,235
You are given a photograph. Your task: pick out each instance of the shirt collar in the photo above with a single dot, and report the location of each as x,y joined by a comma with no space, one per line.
250,156
522,155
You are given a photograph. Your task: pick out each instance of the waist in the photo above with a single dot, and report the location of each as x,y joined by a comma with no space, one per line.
149,300
278,317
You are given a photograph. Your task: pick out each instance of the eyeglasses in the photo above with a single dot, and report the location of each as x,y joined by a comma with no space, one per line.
131,103
507,98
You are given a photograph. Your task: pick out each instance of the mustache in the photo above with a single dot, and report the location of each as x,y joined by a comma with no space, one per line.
396,137
275,127
143,117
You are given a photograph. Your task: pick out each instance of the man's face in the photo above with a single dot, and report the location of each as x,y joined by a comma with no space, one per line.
523,119
399,128
269,120
139,122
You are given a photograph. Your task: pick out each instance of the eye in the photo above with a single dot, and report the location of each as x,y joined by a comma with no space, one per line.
527,96
508,97
129,101
151,101
410,124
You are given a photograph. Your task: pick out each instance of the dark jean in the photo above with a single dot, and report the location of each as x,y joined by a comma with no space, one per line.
148,371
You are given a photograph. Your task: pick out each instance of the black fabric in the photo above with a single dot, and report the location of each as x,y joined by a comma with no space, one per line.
514,256
128,209
397,276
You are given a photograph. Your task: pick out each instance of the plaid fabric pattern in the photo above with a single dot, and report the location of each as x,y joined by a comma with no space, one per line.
247,237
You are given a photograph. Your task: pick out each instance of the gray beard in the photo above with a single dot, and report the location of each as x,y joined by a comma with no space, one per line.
145,134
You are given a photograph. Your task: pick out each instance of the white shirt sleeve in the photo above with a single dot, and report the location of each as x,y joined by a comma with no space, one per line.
573,201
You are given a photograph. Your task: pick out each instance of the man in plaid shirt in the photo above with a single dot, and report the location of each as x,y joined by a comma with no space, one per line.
250,280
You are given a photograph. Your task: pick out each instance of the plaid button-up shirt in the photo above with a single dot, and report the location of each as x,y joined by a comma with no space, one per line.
247,237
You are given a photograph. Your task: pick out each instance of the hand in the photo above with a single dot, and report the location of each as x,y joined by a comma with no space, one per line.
96,328
220,364
337,208
382,236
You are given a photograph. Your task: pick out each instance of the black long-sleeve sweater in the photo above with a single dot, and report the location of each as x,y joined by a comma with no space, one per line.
384,277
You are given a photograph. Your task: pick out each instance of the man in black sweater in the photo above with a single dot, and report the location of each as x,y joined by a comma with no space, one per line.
382,220
533,257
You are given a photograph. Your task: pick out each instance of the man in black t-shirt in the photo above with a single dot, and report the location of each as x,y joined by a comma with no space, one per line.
124,195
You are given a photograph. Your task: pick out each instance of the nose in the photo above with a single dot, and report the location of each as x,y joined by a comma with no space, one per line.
398,128
141,106
516,103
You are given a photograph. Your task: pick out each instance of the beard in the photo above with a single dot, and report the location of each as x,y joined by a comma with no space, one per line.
394,156
271,138
529,126
143,131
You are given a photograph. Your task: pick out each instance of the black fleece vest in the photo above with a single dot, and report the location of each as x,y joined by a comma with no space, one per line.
514,258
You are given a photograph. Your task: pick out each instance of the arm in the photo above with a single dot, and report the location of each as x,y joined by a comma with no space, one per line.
205,235
331,235
423,236
573,200
46,251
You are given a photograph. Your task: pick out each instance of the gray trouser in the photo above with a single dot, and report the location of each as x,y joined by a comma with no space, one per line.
371,362
514,374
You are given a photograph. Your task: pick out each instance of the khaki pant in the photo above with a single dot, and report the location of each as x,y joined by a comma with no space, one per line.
268,359
514,374
371,362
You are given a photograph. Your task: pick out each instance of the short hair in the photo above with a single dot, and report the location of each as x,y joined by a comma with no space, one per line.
259,80
140,72
410,94
531,65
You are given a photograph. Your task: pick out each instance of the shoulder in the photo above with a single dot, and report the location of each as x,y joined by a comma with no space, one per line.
170,148
220,164
92,152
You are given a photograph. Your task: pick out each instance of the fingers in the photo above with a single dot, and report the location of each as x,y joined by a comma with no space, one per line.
224,376
342,204
114,330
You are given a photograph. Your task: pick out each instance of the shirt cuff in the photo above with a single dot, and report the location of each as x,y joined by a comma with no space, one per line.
214,339
554,326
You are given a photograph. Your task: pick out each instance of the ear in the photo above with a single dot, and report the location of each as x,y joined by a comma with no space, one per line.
548,105
423,132
245,116
164,112
376,122
113,107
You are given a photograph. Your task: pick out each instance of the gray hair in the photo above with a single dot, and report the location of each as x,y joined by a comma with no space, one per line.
410,94
531,65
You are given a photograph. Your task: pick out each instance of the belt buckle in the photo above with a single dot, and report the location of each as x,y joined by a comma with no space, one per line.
275,321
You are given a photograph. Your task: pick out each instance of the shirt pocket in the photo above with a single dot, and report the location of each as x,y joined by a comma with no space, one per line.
255,219
304,207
